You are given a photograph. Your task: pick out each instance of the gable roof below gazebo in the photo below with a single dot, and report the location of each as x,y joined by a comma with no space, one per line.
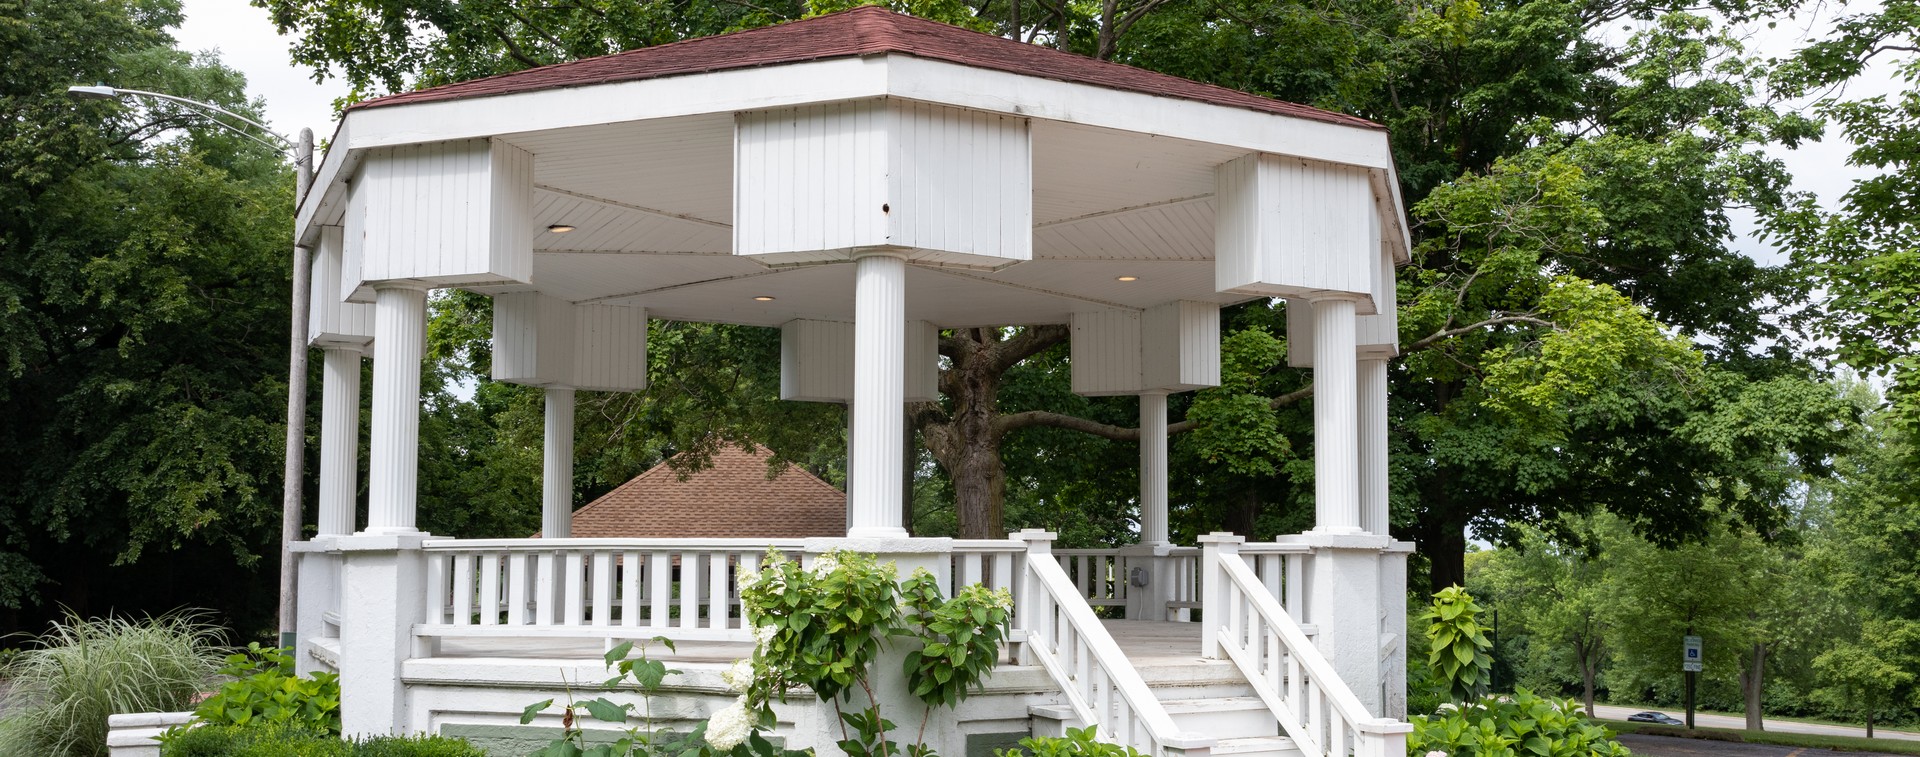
730,497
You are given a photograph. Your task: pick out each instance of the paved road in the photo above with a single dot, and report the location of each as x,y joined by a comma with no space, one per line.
1704,720
1671,746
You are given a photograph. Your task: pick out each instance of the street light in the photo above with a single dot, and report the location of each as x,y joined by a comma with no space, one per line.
290,506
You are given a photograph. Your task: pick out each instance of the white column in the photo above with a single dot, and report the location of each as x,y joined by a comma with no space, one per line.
339,440
1373,445
556,480
1153,468
393,472
1336,457
879,391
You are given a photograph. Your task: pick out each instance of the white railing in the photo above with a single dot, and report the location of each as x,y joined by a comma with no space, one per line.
1314,706
1285,569
1101,685
600,588
1100,575
993,563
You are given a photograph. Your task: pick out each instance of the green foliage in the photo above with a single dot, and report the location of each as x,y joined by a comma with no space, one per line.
266,689
65,685
959,638
824,623
1079,742
1522,724
1458,651
143,296
263,739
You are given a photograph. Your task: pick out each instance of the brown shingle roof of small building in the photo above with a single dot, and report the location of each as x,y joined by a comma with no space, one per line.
731,498
867,30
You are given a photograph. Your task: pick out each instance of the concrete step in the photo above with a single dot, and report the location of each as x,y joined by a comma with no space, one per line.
1224,717
1259,746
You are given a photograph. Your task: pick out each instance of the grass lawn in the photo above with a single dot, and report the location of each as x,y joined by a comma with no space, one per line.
1843,743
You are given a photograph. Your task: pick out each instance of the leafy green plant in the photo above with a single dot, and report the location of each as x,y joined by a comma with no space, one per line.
265,688
264,739
822,626
1458,651
1079,742
1516,726
646,674
68,681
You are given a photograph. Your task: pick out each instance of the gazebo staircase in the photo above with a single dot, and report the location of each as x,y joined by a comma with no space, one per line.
1261,688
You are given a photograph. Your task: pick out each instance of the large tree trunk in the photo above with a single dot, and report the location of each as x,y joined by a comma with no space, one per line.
1589,670
966,441
1446,548
1751,686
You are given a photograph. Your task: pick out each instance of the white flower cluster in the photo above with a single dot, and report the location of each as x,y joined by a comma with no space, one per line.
1004,599
1436,753
825,564
748,579
738,677
763,634
730,727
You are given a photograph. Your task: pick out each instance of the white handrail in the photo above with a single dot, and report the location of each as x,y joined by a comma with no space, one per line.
1314,706
1070,643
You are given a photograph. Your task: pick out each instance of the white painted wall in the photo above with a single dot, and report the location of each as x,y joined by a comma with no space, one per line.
442,213
332,321
816,361
1287,227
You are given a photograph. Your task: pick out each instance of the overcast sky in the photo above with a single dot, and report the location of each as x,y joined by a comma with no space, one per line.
245,39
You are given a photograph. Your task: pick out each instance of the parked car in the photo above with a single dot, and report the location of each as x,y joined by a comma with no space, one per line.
1654,717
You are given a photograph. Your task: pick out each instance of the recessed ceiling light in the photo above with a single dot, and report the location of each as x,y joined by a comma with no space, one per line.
560,228
763,298
1126,278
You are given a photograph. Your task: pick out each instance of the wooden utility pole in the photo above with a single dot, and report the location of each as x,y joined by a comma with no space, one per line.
292,483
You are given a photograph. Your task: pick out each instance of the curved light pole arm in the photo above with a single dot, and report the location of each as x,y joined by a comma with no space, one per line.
285,144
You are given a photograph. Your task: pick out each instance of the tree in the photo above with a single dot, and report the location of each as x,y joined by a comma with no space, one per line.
141,250
1873,670
1558,595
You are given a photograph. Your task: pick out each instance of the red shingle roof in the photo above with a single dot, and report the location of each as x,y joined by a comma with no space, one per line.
867,30
732,498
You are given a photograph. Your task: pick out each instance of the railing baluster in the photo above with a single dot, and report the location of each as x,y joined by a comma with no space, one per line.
719,591
1002,571
575,584
659,576
545,583
438,566
488,602
602,588
463,589
517,589
630,571
689,586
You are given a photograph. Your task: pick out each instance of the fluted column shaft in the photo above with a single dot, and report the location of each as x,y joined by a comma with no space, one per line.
1336,457
1373,445
1153,468
339,440
879,376
556,480
393,473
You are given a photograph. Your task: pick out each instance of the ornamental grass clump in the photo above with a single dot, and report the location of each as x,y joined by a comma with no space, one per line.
66,683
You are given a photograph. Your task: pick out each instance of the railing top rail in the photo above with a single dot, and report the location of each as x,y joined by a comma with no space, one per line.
541,545
988,545
1088,551
1120,671
1274,548
1318,669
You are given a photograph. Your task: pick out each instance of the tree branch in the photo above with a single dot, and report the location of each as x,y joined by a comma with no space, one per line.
1029,342
1013,421
1445,334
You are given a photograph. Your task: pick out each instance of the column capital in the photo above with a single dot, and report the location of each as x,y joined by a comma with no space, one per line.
1316,298
415,286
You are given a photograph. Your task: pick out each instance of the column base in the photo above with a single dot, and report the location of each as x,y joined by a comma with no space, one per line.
877,532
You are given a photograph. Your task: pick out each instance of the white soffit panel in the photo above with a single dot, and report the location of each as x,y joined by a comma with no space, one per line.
681,166
939,184
1105,352
1082,170
1180,346
1286,227
446,213
602,226
333,322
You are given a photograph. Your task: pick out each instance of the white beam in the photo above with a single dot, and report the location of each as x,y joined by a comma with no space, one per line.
879,349
556,480
393,474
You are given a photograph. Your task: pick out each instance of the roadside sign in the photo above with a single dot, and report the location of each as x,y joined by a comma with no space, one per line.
1690,660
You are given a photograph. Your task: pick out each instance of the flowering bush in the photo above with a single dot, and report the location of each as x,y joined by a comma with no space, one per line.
1522,724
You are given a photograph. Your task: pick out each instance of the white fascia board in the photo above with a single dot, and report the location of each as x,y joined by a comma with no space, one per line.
591,105
1034,97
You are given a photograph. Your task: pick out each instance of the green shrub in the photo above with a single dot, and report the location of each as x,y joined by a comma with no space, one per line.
1458,651
293,740
66,683
266,689
1079,742
1522,724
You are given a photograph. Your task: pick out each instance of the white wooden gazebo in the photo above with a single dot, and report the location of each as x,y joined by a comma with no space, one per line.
860,181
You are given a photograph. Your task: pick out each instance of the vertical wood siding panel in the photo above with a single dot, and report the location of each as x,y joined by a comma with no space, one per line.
1105,352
